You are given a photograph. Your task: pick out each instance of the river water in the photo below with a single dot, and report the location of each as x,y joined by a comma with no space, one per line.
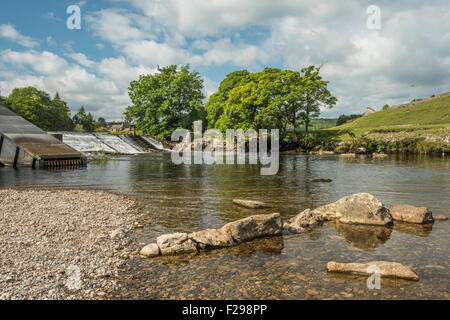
188,198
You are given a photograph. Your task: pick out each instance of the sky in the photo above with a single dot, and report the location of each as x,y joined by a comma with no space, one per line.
406,56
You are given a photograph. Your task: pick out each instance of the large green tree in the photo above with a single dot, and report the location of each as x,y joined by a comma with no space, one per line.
217,101
272,98
37,107
168,100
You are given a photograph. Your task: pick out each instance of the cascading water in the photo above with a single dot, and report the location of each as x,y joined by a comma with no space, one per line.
101,142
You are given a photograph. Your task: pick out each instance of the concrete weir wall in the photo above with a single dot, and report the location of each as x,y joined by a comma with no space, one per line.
22,144
110,143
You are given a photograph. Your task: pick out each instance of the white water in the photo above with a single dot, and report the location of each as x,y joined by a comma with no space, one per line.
92,143
155,143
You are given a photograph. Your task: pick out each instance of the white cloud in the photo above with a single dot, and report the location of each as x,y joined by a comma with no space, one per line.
8,31
81,59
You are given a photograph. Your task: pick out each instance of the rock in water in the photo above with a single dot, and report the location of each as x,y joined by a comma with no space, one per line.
303,221
360,208
412,214
441,218
251,204
254,227
175,243
212,238
150,250
386,269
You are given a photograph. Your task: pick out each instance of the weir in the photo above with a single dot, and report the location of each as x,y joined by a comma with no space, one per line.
22,144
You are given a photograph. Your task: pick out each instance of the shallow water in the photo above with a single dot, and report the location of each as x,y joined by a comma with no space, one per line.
189,198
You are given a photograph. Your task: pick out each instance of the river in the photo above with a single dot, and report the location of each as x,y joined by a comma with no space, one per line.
188,198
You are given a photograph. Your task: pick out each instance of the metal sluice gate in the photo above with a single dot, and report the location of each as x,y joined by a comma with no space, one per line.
22,144
63,164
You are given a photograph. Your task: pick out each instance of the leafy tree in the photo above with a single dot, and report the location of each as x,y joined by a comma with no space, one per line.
344,118
315,95
86,121
60,115
37,107
385,107
273,98
165,101
217,101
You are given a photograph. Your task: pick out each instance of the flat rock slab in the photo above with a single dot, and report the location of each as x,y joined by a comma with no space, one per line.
360,208
411,214
304,221
175,243
251,204
441,218
386,269
212,238
254,227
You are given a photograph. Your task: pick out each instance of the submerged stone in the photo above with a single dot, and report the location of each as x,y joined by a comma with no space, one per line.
304,221
386,269
407,213
251,204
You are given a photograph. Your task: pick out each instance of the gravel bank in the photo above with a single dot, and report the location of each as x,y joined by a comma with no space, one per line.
49,237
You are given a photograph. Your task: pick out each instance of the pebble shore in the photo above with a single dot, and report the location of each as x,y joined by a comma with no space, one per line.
47,236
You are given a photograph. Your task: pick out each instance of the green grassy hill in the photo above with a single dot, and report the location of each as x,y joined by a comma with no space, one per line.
432,113
420,128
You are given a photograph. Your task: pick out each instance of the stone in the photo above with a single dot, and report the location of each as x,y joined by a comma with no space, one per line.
348,155
441,218
251,204
118,233
323,180
151,250
407,213
379,155
303,221
212,238
175,243
387,269
254,227
360,208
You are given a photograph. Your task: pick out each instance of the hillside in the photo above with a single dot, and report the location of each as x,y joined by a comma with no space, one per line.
422,127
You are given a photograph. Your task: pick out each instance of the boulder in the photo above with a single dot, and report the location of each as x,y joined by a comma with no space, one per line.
379,155
251,204
212,238
348,155
386,269
407,213
254,227
175,243
361,150
150,250
360,208
303,221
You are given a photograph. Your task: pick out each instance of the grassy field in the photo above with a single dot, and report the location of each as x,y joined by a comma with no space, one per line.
429,115
420,128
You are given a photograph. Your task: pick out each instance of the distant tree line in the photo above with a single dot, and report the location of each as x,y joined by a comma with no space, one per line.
49,114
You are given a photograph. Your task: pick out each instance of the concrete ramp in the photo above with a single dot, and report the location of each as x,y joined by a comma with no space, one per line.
22,144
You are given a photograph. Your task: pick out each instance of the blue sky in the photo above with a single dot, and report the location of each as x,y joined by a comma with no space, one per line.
409,56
